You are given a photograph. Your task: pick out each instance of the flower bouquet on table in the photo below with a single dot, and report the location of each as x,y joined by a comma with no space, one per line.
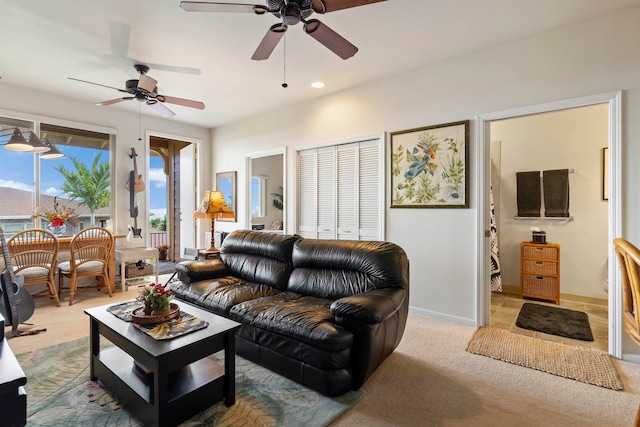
57,216
157,304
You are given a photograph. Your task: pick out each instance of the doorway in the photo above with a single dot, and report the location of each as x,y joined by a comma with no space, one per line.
172,192
612,100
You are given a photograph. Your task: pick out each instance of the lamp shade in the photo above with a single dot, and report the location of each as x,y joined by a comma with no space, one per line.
53,152
18,142
213,206
38,146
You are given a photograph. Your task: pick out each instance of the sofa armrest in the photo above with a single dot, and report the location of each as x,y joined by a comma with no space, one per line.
371,307
195,271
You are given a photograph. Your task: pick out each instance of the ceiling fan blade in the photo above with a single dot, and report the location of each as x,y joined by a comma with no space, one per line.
181,101
160,108
98,84
115,101
269,42
326,6
197,6
146,84
332,40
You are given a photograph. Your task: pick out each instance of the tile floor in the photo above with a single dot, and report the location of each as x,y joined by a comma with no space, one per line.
505,308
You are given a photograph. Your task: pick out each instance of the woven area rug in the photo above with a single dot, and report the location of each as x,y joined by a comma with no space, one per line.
555,321
577,363
60,394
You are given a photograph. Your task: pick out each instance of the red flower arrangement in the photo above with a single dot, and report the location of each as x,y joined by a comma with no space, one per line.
156,296
58,215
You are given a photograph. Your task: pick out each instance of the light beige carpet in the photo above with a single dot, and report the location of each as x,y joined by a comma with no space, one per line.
429,380
578,363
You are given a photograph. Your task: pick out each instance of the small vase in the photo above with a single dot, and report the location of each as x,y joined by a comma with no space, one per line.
147,309
58,230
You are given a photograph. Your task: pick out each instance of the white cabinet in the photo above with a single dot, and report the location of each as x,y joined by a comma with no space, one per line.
340,191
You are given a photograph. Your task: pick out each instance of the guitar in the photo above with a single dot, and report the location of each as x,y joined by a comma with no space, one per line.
134,231
138,183
17,303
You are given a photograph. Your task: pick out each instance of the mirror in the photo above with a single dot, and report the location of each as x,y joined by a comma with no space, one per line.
258,195
266,177
226,184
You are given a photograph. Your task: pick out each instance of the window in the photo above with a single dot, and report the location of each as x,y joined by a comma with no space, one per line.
28,179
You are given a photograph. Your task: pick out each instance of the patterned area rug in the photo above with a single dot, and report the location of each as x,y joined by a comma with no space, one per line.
60,394
578,363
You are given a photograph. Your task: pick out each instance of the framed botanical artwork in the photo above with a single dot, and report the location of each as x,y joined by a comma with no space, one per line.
226,183
429,167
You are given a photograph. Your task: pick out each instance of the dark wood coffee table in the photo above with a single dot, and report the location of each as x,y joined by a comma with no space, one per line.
182,381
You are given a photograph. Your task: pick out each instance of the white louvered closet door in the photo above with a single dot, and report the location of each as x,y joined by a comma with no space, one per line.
326,207
347,194
340,191
370,195
307,183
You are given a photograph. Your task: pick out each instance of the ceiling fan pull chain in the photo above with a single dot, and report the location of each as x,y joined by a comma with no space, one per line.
284,60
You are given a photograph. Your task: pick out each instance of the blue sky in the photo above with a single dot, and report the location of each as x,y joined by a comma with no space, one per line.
17,171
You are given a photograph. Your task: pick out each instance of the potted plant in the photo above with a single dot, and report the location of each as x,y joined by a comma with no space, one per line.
156,299
162,254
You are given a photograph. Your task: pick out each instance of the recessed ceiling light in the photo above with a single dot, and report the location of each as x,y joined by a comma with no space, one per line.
317,85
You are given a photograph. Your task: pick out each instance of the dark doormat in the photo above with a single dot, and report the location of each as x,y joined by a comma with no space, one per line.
555,321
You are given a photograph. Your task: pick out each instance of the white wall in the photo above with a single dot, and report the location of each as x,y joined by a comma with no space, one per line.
568,139
592,57
26,102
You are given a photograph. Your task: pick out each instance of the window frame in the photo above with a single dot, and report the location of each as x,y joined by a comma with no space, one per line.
37,121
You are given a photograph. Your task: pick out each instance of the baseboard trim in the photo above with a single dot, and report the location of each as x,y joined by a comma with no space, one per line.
442,316
515,290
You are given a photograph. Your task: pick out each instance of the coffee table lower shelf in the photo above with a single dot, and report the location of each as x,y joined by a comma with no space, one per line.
191,389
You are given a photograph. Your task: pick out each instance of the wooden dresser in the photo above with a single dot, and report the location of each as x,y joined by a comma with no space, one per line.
540,271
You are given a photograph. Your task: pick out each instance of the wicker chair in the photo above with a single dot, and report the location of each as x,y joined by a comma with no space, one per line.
91,251
34,254
629,262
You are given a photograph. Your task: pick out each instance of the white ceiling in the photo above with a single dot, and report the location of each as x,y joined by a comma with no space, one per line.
206,56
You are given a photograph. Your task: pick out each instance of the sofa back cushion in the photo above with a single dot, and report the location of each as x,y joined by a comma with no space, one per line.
258,257
335,269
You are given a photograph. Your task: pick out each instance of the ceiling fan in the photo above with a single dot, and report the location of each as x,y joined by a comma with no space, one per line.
290,12
144,90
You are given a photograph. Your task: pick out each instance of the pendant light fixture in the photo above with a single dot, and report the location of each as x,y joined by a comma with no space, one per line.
53,152
37,144
18,142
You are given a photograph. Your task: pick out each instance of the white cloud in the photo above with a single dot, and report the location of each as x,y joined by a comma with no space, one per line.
158,213
52,191
157,177
16,185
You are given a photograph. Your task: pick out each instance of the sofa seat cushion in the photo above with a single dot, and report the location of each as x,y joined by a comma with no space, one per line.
292,348
303,318
219,295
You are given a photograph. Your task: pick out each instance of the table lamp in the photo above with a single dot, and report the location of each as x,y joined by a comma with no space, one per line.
213,206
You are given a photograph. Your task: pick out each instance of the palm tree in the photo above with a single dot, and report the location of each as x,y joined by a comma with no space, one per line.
87,187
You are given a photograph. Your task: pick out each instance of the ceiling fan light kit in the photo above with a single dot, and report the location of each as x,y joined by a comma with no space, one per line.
144,89
290,12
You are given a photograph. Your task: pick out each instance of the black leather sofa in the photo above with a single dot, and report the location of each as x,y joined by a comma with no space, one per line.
324,313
